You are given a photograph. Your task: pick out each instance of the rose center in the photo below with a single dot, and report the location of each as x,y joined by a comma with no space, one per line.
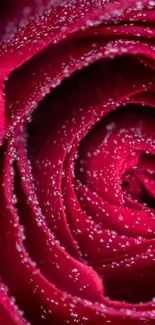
138,182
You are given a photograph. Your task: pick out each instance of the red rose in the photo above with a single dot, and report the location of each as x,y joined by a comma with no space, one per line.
77,131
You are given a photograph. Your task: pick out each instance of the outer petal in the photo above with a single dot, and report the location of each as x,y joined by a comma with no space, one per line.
9,313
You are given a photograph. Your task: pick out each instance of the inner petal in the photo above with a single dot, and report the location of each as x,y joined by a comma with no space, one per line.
109,155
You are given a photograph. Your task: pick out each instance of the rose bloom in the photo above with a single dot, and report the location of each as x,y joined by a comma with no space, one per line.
77,162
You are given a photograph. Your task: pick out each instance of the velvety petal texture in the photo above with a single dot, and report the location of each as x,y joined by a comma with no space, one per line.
77,157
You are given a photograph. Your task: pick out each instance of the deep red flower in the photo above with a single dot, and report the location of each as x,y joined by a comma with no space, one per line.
77,156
